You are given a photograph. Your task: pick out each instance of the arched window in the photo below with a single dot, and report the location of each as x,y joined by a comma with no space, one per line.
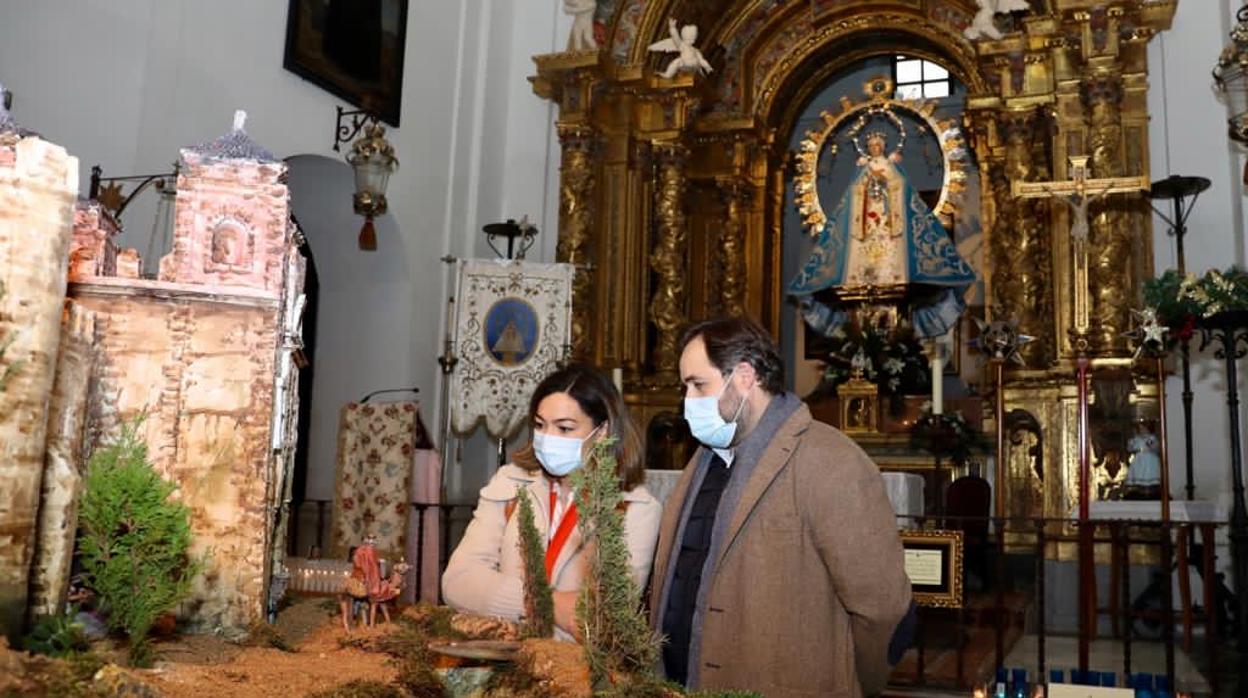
919,79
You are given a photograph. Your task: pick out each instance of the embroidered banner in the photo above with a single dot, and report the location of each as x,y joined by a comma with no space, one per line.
385,461
512,328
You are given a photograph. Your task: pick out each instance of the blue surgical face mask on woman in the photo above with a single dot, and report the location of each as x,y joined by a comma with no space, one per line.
705,422
560,455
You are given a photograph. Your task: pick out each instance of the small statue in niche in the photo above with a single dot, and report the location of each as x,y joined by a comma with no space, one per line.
859,413
1143,479
229,244
582,36
681,42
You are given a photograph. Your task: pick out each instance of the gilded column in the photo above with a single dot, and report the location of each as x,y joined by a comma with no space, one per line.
667,259
1019,245
735,195
576,215
1111,281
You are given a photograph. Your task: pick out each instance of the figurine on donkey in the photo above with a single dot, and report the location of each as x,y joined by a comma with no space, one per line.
365,589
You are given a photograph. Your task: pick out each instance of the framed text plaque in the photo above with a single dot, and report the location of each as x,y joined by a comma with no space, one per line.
934,565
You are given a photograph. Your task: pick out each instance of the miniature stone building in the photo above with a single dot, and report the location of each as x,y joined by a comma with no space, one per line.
203,354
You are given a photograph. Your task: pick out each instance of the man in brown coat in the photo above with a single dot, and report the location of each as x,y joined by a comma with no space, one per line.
779,568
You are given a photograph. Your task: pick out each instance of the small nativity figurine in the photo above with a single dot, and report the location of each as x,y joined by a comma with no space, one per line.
982,25
362,585
582,36
390,589
681,42
1144,473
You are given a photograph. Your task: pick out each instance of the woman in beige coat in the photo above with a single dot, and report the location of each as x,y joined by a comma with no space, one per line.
570,409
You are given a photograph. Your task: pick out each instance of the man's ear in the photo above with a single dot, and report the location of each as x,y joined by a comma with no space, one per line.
746,375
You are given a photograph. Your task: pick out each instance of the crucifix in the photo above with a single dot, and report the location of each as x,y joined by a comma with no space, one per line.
1078,193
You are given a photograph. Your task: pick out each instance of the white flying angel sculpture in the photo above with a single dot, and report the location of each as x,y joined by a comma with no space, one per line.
582,36
690,58
982,25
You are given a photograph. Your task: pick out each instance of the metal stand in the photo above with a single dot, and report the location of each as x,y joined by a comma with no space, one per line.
1087,571
523,232
1230,331
1183,191
447,361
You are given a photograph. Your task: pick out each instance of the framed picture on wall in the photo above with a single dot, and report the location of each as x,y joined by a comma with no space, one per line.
352,48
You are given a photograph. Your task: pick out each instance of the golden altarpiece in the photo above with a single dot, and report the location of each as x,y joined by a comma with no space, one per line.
672,192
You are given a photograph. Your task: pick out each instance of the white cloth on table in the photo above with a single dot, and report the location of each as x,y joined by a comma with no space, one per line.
905,493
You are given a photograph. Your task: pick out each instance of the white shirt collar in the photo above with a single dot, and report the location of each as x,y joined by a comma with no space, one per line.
727,454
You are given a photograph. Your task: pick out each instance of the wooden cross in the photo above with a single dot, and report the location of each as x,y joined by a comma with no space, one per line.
1075,192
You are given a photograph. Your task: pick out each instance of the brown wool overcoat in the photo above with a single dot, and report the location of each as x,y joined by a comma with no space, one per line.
810,584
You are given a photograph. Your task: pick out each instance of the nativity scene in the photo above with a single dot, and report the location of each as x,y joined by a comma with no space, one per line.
853,350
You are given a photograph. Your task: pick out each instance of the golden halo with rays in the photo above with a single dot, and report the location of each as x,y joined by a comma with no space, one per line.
879,104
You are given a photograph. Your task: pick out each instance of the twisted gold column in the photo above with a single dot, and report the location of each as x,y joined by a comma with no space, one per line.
576,215
667,259
735,194
1111,292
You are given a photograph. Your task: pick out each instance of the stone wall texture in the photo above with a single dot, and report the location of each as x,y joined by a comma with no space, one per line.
93,252
65,464
38,187
199,369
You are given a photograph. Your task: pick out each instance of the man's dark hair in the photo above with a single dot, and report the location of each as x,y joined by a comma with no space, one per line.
731,340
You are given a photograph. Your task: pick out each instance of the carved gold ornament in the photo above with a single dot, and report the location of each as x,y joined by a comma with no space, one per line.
878,105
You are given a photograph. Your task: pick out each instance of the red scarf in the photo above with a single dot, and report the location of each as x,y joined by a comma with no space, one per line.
561,534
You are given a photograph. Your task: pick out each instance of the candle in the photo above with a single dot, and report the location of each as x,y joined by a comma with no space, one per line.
450,318
938,379
617,377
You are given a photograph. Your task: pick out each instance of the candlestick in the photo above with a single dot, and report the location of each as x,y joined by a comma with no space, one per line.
450,318
938,383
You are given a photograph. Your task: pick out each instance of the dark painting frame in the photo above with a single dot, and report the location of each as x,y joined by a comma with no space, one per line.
342,46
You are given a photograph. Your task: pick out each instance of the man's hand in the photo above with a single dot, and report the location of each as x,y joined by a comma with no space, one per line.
565,612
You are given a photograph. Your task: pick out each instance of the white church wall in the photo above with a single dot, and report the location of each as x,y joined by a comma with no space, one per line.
1188,137
356,352
125,83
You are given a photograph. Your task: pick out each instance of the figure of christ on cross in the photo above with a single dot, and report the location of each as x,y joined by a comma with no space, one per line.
1075,193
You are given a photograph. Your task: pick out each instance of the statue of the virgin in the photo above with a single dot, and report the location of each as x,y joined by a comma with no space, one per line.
883,241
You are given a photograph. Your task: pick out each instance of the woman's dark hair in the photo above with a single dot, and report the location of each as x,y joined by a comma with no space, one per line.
731,340
597,397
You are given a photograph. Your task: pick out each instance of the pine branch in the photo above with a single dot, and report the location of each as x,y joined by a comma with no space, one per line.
617,637
539,604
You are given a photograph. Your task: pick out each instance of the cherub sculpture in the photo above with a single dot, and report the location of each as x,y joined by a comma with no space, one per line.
582,36
681,42
982,25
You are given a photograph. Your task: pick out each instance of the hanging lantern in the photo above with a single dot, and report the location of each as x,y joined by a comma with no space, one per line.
372,158
1231,77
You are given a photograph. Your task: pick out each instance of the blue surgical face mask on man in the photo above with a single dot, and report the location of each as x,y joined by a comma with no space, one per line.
705,422
559,455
